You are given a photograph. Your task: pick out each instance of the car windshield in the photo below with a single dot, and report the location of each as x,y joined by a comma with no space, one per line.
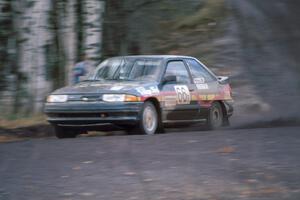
128,69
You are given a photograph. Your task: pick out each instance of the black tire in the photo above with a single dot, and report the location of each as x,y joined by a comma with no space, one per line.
149,120
63,132
215,118
160,128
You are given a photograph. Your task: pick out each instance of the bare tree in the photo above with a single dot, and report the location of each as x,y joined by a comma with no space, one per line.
40,41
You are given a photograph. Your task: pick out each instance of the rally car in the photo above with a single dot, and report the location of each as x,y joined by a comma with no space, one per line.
142,94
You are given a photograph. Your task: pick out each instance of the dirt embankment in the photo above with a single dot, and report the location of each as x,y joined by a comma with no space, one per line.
267,49
15,134
256,43
19,129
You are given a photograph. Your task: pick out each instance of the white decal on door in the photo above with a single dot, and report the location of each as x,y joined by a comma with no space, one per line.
119,87
199,80
202,86
183,94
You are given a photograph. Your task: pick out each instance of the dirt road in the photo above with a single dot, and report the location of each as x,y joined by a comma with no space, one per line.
239,164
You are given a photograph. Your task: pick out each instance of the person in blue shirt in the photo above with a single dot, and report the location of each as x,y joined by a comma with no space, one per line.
80,69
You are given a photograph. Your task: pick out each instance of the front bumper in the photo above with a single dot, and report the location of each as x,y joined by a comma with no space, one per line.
92,113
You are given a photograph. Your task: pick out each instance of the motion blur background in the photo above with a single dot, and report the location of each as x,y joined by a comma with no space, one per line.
255,42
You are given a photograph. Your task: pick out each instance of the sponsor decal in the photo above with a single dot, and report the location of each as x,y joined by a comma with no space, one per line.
116,88
169,101
143,91
199,80
227,93
194,97
202,86
140,90
153,90
202,97
208,97
183,94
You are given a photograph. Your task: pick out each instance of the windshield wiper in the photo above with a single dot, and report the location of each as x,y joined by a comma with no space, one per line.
92,80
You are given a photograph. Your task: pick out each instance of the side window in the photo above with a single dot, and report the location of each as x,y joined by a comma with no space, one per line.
198,71
178,69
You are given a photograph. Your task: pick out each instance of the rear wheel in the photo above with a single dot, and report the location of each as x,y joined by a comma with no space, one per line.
215,117
63,132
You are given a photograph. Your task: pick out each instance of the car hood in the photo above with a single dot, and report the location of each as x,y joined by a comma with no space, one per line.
134,87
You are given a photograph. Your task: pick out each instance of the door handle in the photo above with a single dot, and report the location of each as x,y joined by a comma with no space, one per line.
191,90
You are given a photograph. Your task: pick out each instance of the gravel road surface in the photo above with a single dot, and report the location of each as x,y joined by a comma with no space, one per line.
229,164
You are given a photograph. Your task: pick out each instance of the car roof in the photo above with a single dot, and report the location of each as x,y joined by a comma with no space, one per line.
155,56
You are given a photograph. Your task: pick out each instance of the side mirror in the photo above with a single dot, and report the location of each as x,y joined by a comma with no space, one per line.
169,79
223,79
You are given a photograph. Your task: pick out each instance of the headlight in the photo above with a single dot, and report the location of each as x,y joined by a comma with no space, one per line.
120,98
57,98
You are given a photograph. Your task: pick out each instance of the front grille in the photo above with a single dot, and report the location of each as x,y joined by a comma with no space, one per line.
91,115
78,115
85,98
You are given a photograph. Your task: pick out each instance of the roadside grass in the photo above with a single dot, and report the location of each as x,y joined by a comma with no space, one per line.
13,122
9,138
15,128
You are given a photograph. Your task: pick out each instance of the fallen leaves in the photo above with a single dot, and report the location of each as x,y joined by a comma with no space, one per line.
87,194
148,180
263,191
23,122
88,162
76,168
192,141
129,173
226,150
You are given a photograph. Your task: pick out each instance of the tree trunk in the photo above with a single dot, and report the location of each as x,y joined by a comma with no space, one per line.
70,40
34,36
93,30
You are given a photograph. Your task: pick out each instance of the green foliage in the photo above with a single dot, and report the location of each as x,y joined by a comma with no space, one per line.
211,12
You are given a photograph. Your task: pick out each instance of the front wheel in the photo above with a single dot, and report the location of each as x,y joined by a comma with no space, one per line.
148,123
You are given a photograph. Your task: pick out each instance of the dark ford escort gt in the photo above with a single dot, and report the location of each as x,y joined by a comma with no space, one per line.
142,94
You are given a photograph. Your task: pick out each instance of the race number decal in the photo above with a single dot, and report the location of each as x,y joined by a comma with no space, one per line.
183,94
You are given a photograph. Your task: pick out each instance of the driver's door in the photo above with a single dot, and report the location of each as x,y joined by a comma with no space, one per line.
179,95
